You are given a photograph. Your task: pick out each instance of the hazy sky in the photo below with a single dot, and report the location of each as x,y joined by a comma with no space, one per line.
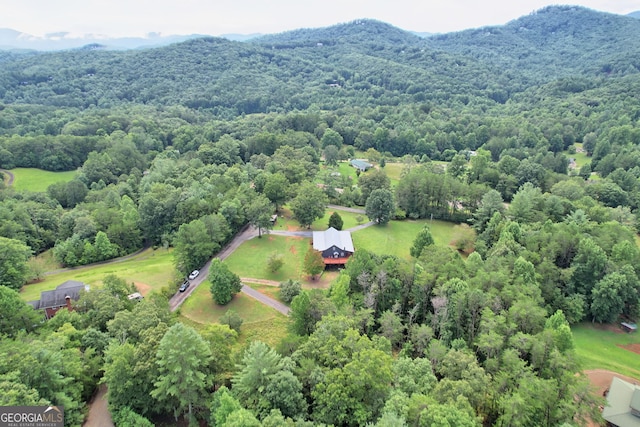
215,17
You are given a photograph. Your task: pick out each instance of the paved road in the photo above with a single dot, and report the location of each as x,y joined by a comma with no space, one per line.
247,233
265,300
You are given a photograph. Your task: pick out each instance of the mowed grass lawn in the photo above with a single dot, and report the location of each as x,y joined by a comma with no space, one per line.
250,259
285,221
37,179
260,322
150,270
396,237
599,348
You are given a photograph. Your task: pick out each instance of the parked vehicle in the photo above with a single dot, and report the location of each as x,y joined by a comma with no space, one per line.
184,286
194,274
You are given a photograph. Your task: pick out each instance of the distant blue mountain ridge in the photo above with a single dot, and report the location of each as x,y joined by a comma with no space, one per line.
15,40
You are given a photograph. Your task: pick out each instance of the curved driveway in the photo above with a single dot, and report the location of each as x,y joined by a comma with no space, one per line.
248,233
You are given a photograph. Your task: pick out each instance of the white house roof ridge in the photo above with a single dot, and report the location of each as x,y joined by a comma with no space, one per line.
323,240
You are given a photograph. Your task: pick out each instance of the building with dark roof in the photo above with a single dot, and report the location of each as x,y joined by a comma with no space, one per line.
52,301
623,404
336,246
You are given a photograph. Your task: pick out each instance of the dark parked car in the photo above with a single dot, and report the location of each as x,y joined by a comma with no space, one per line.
184,286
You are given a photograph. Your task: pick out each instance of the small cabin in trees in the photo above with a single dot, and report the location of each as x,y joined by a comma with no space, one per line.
335,246
52,301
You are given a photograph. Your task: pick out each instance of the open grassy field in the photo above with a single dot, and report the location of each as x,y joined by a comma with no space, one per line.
394,172
580,157
396,237
150,270
37,179
260,322
346,169
600,348
287,223
349,219
200,308
250,259
271,331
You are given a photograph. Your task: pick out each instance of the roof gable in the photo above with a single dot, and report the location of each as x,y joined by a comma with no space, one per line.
620,401
58,296
323,240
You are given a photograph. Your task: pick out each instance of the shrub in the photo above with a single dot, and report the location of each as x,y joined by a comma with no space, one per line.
289,290
232,319
275,262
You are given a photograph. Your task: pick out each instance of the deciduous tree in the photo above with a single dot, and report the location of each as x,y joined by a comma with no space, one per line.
309,204
259,213
380,206
14,269
224,283
193,246
313,263
15,314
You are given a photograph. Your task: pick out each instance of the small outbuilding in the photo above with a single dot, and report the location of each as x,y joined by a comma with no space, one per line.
629,327
361,165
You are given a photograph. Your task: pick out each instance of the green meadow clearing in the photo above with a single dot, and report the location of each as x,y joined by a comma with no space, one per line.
286,222
250,259
150,270
37,179
581,158
259,321
600,348
200,308
396,237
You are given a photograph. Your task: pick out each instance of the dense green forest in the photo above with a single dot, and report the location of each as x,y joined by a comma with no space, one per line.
184,145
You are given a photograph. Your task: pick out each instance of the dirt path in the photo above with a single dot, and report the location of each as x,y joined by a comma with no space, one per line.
259,281
346,209
12,177
99,415
601,379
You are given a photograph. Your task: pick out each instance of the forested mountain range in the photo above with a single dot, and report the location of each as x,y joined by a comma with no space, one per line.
527,136
360,63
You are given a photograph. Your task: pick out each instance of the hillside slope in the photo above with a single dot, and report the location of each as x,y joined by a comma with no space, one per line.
362,63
